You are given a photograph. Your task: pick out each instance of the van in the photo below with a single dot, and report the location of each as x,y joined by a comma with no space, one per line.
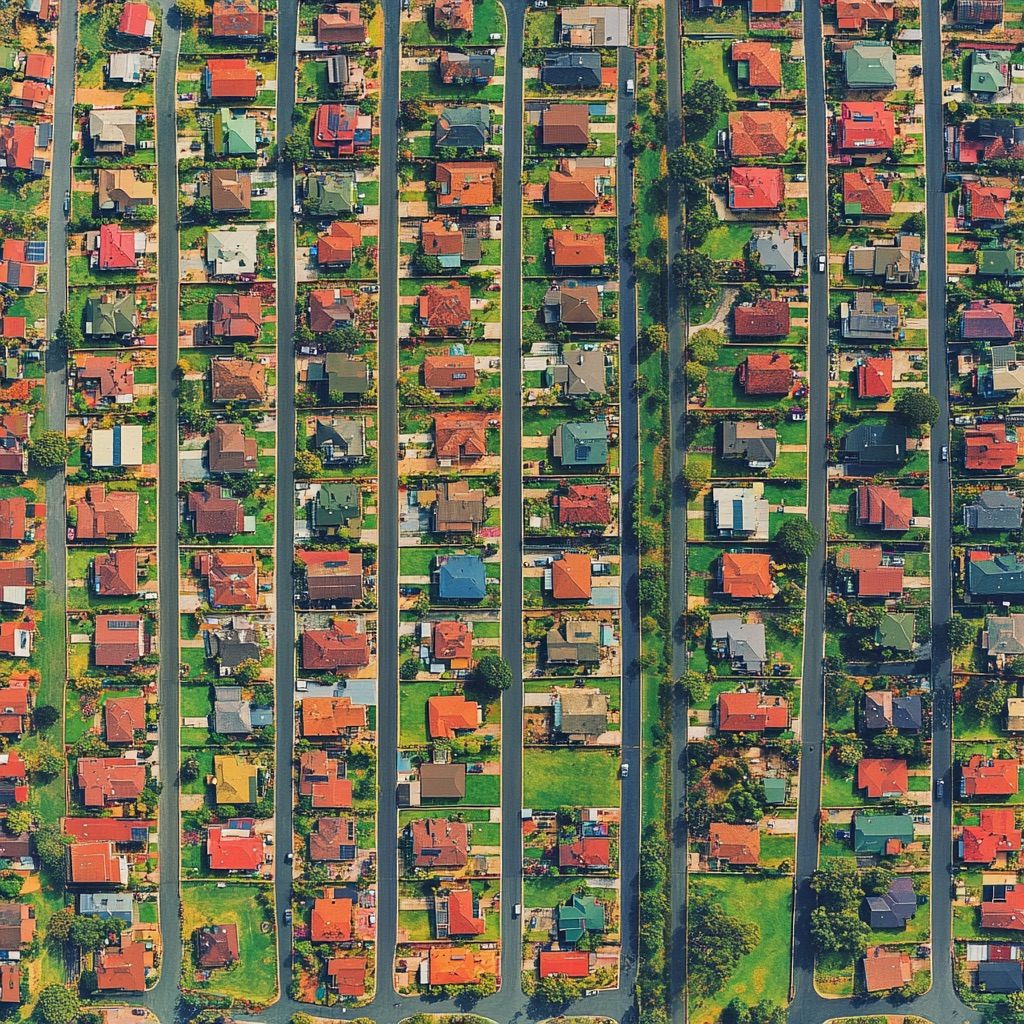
495,37
629,87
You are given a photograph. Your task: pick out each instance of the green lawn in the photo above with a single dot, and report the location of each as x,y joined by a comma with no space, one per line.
591,774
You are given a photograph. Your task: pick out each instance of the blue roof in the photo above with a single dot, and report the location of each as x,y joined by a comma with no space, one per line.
462,578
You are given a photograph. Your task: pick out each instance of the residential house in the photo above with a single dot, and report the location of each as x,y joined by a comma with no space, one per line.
865,128
122,191
569,577
858,15
17,926
448,717
216,945
330,308
111,132
865,194
574,250
744,576
737,846
576,306
583,505
235,134
342,25
331,717
778,251
97,863
984,205
337,505
582,915
451,644
766,318
752,712
464,68
896,631
885,969
347,976
987,320
988,777
343,374
445,308
230,78
237,380
988,74
214,512
883,710
460,578
584,853
575,70
112,248
447,374
232,578
873,377
999,976
594,25
110,316
580,373
882,777
334,840
575,642
581,445
232,714
235,780
465,184
463,127
870,448
579,181
460,437
442,781
342,646
324,780
230,191
231,646
883,834
457,912
759,133
119,447
234,848
753,189
123,969
758,65
749,441
439,843
340,440
13,513
995,576
458,508
565,125
1002,907
896,262
452,246
120,640
136,22
883,507
740,512
123,718
331,919
978,14
230,451
869,65
332,578
240,20
108,781
1003,638
993,510
990,448
1005,262
341,129
106,380
996,833
985,139
456,965
766,373
742,644
101,514
335,246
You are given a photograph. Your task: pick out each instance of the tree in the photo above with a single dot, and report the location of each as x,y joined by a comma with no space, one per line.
691,166
18,821
704,345
51,448
45,716
190,769
68,332
50,845
696,688
695,271
702,103
58,1004
47,761
986,697
917,407
652,338
425,264
297,146
796,539
559,991
409,669
960,634
717,940
308,464
915,224
696,473
202,210
58,928
247,673
494,673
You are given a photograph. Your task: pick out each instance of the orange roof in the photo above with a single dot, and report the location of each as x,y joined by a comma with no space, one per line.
852,14
996,833
331,716
96,864
465,184
766,373
447,716
121,970
458,965
881,581
882,776
335,245
461,435
230,77
884,969
738,844
461,919
764,63
564,964
570,577
331,920
578,185
864,195
884,507
756,188
347,974
985,202
746,575
866,126
751,712
576,249
874,377
992,777
452,641
986,448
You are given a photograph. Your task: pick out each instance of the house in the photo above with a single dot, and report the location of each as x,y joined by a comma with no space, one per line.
594,25
449,373
15,700
344,24
123,717
235,134
584,505
337,505
978,14
563,964
108,906
230,78
347,976
130,69
749,441
230,451
896,630
111,132
574,250
777,250
335,246
16,638
990,448
584,853
565,125
341,129
580,713
882,710
883,834
331,919
444,308
232,716
458,508
17,149
994,510
442,781
233,253
121,970
988,74
214,512
999,261
120,640
994,576
986,320
341,646
758,65
741,643
766,373
232,578
230,191
110,316
465,68
984,205
856,15
575,642
869,65
333,839
865,128
13,512
342,373
465,184
1003,638
457,912
463,127
237,19
439,843
332,577
106,781
740,512
103,514
136,21
97,864
897,261
865,194
453,15
885,969
882,777
995,834
340,440
230,647
324,780
10,984
112,248
756,188
106,380
237,380
570,577
868,448
442,238
331,717
581,445
576,306
580,373
734,845
118,447
235,780
873,377
752,712
460,578
234,848
1002,906
988,777
985,139
17,926
330,308
452,644
883,507
455,965
216,945
579,70
999,976
460,436
579,181
766,318
759,133
580,916
744,576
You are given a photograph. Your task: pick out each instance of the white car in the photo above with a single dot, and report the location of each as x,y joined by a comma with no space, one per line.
945,453
822,263
623,770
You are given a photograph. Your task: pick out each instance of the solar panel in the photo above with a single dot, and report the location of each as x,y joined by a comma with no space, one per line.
333,120
581,452
122,624
35,252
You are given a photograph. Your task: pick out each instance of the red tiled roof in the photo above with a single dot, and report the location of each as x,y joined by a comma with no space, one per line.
986,448
746,575
884,969
755,188
585,852
12,518
882,776
326,717
347,974
992,777
564,963
229,851
767,318
759,132
764,63
1007,913
751,712
882,581
117,248
104,780
10,983
232,577
452,641
884,507
985,202
236,316
584,504
461,920
340,646
136,21
449,373
215,512
576,249
231,78
335,245
331,919
115,573
39,65
236,19
95,863
465,183
444,306
122,716
100,831
113,377
453,15
447,716
119,640
874,377
461,435
565,124
861,188
866,126
571,577
740,845
852,14
12,327
343,25
439,843
17,145
322,778
766,373
102,513
996,833
121,970
987,320
578,185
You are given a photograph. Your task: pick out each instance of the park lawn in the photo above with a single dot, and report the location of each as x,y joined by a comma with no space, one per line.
593,775
763,974
204,903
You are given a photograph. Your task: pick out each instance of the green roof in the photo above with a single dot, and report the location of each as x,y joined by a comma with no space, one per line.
582,444
896,630
581,914
774,790
332,192
987,75
872,831
103,316
870,66
997,262
336,504
234,136
346,374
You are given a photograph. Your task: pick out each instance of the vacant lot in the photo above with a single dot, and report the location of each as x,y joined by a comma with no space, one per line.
583,777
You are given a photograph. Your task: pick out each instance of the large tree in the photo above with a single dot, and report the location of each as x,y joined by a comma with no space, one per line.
796,539
58,1004
917,407
494,673
716,941
51,448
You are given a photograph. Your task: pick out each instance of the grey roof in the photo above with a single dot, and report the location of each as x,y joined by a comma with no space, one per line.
577,642
467,127
347,374
231,647
1004,635
577,70
994,510
996,577
107,905
344,438
582,372
1001,976
744,642
875,444
777,250
756,446
895,908
869,316
112,130
231,717
738,510
580,712
581,444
